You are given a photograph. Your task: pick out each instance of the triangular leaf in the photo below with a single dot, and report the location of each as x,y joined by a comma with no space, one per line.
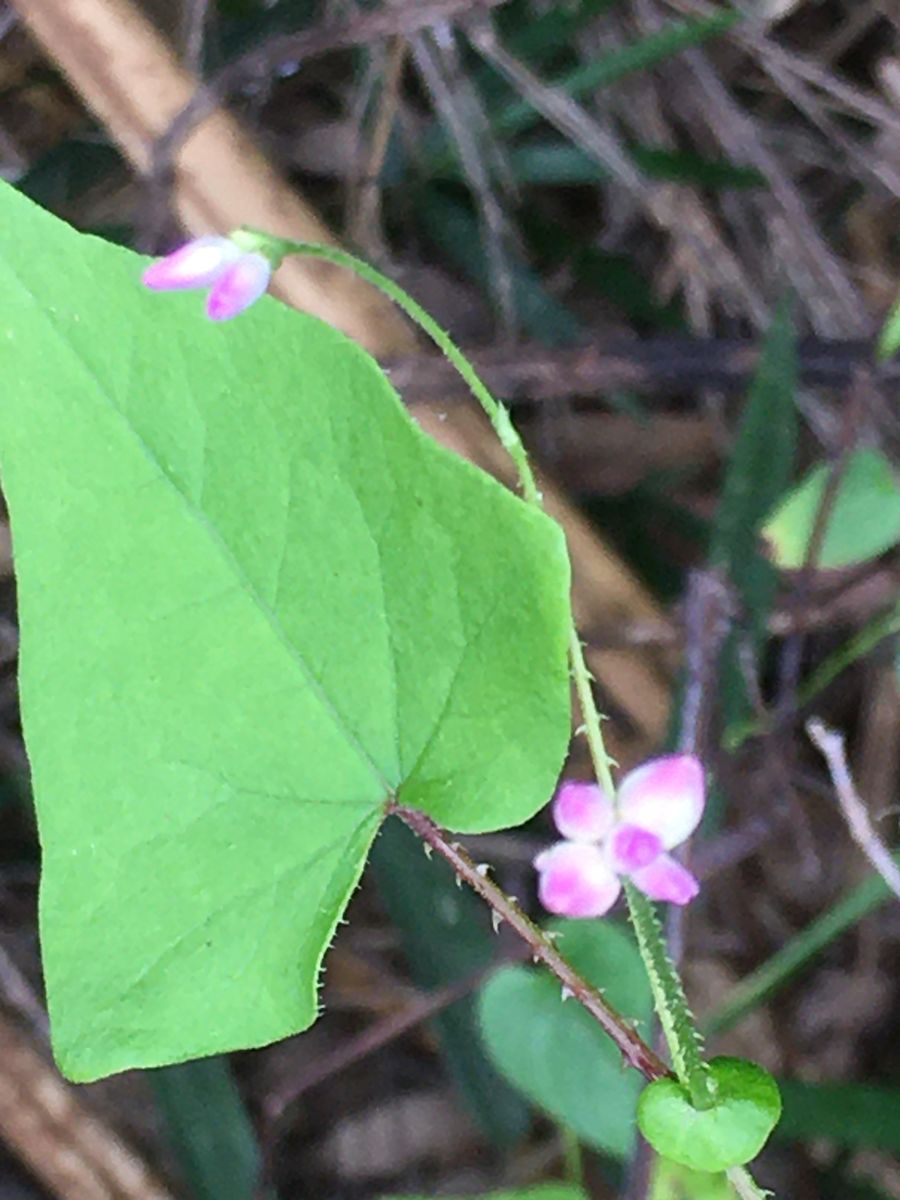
256,601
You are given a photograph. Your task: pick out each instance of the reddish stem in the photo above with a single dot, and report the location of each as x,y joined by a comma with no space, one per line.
633,1048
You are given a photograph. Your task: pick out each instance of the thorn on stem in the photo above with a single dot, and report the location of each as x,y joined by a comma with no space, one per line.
566,993
496,920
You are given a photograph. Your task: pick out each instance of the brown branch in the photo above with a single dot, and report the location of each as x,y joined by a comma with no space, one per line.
661,364
634,1049
45,1122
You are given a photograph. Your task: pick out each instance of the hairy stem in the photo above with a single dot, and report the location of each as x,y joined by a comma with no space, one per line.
682,1036
633,1048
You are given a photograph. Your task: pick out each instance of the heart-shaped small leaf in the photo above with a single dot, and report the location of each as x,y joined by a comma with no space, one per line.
729,1134
256,603
554,1052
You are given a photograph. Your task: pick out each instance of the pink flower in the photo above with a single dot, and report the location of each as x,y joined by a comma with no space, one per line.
659,805
236,277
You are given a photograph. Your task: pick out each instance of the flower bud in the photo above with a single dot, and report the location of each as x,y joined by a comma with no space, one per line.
239,285
197,264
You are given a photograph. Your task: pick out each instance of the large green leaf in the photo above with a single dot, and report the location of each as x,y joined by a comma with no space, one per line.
256,603
555,1052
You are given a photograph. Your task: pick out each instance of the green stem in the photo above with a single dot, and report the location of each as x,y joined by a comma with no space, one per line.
497,415
883,626
802,949
745,1185
678,1024
682,1036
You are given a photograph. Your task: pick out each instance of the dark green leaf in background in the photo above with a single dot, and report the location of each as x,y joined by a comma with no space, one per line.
209,1129
555,1052
547,1191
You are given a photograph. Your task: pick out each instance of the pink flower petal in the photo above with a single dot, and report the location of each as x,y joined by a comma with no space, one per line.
630,848
576,881
666,879
239,286
665,795
197,264
582,812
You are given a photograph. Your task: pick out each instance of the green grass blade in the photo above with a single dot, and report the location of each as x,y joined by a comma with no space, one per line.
758,474
799,951
642,55
209,1129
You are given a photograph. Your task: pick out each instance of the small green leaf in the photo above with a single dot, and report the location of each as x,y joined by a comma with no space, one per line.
864,520
554,1052
727,1135
256,602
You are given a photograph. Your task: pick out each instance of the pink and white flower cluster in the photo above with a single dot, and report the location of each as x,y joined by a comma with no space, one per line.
236,277
658,805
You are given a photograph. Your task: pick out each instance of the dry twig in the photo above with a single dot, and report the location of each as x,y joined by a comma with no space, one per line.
831,745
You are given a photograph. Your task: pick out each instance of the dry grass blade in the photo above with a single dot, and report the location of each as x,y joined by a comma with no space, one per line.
702,248
73,1154
831,745
130,78
458,106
